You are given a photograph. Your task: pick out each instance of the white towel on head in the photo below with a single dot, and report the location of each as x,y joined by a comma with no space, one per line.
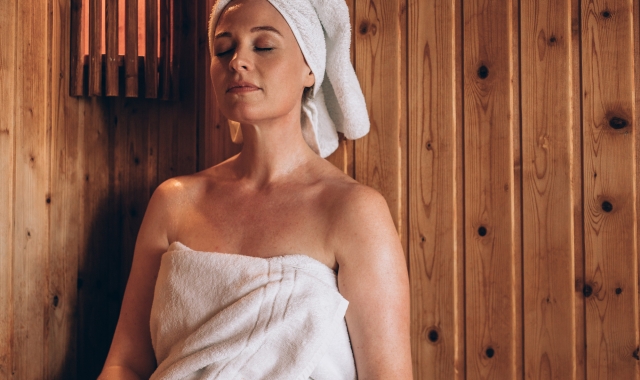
323,31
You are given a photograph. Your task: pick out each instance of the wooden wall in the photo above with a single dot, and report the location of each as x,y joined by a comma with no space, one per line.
503,138
77,174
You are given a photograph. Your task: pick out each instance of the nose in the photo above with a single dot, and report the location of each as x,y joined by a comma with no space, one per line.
241,60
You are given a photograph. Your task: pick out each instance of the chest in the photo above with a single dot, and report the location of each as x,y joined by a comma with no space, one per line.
263,225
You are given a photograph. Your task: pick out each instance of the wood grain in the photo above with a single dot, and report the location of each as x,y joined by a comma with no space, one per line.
434,252
131,48
111,27
151,49
165,49
95,47
75,43
577,196
610,219
548,220
493,343
66,226
378,44
8,72
31,233
96,303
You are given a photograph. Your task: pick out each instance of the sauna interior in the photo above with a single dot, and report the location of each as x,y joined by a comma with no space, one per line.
502,137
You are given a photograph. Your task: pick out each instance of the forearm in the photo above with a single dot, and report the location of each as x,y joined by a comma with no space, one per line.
118,373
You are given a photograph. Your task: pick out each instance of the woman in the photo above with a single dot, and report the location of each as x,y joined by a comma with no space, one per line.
277,197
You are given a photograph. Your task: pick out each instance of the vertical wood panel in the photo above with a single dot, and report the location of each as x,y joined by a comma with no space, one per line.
111,23
75,41
7,164
95,302
131,48
437,329
378,50
66,211
177,50
31,234
548,225
95,47
165,49
493,341
151,49
610,222
577,196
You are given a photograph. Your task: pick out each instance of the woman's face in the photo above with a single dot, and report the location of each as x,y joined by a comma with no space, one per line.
258,70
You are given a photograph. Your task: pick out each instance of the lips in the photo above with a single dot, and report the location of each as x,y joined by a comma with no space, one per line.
241,86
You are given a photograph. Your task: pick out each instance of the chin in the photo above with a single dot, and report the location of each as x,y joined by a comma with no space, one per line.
249,113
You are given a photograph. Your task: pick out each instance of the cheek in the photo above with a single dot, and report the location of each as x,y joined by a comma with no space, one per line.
217,76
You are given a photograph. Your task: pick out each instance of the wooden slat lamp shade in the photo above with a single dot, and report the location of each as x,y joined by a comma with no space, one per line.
124,48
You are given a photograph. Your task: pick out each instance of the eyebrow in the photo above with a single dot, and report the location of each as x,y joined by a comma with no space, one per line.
266,28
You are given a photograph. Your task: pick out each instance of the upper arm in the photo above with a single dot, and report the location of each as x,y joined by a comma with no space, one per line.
373,277
131,346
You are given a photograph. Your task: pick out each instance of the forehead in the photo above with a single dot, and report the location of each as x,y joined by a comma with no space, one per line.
250,13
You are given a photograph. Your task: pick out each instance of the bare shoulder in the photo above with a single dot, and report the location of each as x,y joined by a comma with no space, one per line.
170,201
360,216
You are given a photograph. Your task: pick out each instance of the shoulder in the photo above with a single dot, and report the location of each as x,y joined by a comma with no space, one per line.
171,201
360,220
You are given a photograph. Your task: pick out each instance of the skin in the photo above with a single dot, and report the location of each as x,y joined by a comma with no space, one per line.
276,197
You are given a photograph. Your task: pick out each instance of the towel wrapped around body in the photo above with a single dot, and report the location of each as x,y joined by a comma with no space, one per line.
229,316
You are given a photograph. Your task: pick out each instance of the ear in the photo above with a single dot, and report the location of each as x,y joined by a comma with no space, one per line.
310,79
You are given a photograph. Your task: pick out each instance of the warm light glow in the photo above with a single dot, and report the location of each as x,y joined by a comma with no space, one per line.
121,27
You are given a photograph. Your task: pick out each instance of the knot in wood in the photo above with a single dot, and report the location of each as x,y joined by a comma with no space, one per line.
587,290
490,352
433,335
617,123
607,206
483,72
482,231
364,27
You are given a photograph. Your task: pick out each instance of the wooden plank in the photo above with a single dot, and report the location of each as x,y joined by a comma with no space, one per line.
95,47
548,219
151,49
378,154
165,49
578,231
610,222
31,231
179,129
112,14
176,52
96,304
493,340
8,70
131,48
434,252
67,222
75,43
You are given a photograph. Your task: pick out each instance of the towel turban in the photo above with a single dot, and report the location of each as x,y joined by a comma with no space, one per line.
336,103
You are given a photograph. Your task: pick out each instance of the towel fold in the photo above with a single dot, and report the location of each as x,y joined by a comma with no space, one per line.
228,316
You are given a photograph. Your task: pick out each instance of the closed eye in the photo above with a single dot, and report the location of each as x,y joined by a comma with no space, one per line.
230,50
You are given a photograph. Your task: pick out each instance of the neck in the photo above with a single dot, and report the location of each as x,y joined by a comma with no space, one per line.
272,150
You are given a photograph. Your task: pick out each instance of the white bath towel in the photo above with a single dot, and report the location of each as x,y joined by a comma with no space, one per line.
229,316
323,31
